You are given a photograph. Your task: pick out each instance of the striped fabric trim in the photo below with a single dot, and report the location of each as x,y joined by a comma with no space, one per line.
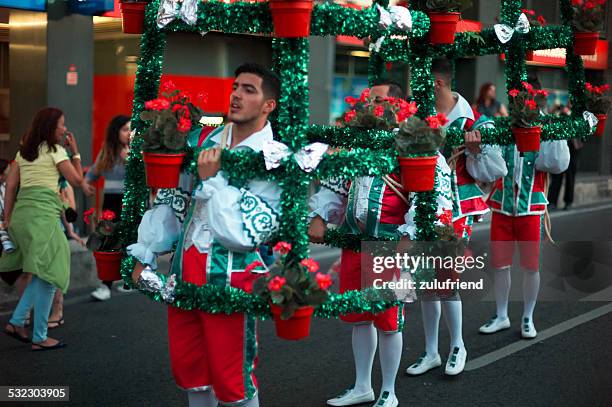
349,217
250,354
375,197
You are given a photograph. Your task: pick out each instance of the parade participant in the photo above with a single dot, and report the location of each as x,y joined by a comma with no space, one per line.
213,356
518,201
379,207
474,162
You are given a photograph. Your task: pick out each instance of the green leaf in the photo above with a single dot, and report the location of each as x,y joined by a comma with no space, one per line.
289,310
277,297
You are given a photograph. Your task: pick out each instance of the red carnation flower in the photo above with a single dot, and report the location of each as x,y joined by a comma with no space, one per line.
442,119
531,104
253,266
108,215
433,122
378,111
350,115
282,247
365,95
514,93
184,125
446,217
541,20
276,283
310,264
324,281
527,86
351,100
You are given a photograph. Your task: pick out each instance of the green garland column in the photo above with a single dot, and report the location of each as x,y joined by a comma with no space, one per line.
574,66
148,74
291,58
516,69
422,85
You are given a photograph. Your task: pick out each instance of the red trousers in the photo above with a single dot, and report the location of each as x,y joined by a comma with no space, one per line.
507,231
351,278
215,352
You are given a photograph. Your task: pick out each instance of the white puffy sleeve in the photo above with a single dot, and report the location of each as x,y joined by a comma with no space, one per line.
330,202
158,231
241,219
486,166
554,157
443,199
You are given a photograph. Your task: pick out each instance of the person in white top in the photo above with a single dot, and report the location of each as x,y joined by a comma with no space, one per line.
216,228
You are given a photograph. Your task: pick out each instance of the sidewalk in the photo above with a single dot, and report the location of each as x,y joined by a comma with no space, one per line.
83,273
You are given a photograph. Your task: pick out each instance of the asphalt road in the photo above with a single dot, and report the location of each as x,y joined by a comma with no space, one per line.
117,350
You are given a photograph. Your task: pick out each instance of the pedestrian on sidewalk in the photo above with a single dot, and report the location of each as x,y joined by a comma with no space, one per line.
17,277
32,217
575,145
110,164
487,103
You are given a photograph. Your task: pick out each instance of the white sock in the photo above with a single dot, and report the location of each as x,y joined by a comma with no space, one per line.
431,322
454,319
390,354
202,399
531,287
254,402
364,348
502,291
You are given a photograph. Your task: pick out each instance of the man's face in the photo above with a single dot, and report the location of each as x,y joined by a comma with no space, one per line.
441,85
247,101
379,93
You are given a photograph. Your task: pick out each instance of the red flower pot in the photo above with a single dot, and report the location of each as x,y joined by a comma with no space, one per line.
163,170
527,138
529,55
585,43
295,328
443,27
418,174
291,17
132,16
108,265
601,124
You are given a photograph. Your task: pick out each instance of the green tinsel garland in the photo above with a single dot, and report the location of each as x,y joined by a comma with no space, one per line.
371,153
328,19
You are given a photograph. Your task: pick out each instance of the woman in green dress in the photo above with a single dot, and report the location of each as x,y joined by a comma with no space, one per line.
31,218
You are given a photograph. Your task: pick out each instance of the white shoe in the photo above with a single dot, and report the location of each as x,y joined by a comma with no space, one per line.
456,361
423,364
348,398
101,293
386,400
528,330
494,325
122,288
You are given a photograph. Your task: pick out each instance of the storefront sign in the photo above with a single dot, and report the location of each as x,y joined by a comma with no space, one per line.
36,5
556,57
72,76
90,7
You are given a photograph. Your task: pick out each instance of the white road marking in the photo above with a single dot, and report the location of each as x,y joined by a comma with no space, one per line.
515,347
